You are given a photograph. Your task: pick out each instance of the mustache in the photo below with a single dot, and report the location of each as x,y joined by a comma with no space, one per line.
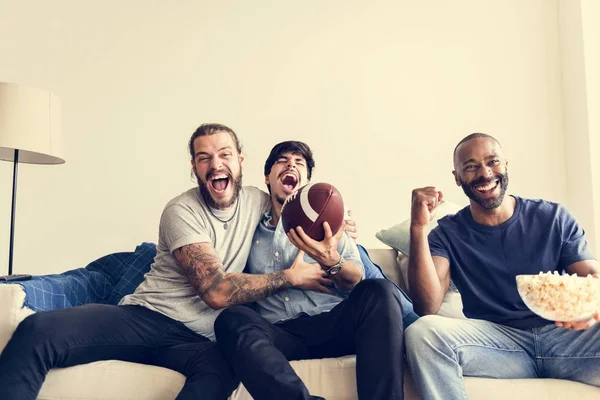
491,179
288,170
214,172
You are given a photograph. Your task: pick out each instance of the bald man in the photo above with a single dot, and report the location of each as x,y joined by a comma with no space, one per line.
483,248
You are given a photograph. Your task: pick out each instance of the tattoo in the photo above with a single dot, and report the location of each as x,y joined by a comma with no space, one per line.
204,269
248,291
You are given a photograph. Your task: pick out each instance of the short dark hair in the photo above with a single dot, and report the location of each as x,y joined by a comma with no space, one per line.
211,129
473,136
293,147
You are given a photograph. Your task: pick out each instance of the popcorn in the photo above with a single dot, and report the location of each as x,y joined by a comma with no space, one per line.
560,297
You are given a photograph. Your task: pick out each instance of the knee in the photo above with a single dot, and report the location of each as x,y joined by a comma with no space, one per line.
422,331
34,327
378,287
233,319
383,291
34,334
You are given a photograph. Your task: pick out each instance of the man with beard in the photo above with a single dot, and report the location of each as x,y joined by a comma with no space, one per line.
356,317
483,247
168,321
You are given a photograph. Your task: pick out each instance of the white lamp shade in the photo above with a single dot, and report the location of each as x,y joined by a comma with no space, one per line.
30,122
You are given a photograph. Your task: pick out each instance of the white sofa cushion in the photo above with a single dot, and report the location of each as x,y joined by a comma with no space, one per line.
111,380
332,378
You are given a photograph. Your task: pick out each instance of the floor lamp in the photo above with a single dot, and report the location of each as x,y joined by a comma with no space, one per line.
30,132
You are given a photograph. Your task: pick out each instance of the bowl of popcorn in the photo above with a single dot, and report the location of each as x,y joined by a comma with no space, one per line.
558,297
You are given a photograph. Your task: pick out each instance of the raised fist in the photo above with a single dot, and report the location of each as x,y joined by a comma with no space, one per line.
424,202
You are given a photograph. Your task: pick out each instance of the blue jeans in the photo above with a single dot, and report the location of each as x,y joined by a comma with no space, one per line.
441,351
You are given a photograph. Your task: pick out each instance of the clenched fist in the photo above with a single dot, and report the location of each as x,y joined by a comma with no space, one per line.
424,202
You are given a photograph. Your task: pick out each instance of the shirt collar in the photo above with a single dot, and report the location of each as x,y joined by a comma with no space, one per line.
266,221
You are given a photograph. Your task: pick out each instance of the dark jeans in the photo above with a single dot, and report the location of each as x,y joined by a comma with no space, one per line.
94,332
368,324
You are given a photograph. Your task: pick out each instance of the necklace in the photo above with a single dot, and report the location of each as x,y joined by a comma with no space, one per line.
225,222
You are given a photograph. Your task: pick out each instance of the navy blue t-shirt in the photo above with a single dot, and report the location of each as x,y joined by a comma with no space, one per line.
484,260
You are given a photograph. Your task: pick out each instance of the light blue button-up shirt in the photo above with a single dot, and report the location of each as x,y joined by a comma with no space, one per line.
271,252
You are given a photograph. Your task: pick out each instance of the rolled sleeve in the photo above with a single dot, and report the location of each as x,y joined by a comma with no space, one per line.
180,226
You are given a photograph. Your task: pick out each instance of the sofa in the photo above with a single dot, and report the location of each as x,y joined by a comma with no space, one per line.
333,379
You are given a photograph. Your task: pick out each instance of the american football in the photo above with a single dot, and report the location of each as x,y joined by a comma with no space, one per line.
312,205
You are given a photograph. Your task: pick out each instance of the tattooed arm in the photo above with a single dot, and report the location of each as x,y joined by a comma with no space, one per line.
219,289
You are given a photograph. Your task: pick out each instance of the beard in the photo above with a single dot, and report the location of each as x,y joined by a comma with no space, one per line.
280,199
220,205
488,204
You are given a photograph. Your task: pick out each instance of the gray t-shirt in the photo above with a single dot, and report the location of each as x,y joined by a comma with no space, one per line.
185,220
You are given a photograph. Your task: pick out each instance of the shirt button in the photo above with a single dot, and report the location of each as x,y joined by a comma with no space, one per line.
258,241
287,298
276,254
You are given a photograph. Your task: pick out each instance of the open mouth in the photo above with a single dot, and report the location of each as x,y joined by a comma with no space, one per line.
487,188
289,182
219,183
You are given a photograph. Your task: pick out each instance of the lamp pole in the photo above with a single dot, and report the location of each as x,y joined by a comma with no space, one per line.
12,213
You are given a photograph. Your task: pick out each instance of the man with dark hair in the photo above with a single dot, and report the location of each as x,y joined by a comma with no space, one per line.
168,321
293,147
483,248
348,316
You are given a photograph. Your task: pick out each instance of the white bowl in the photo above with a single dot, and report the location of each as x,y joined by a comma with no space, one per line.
560,297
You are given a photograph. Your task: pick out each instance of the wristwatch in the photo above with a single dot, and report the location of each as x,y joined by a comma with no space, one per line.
334,269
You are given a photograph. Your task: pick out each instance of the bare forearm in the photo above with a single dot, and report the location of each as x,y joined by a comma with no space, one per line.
426,289
584,268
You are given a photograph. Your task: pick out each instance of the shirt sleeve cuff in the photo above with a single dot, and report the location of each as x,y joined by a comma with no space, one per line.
190,239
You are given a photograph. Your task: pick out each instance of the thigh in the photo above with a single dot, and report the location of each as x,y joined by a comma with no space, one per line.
481,348
98,332
326,335
241,326
571,355
99,322
372,303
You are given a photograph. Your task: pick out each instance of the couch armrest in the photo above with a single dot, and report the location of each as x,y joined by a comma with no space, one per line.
12,311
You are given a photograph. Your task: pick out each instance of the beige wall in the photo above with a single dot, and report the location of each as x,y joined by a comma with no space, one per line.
591,38
579,45
381,90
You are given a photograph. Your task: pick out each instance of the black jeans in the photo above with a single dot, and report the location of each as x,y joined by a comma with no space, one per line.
368,323
94,332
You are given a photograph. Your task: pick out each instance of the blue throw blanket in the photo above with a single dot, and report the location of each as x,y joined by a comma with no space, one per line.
105,281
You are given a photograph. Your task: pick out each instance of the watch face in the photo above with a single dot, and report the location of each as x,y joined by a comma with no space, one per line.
334,270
